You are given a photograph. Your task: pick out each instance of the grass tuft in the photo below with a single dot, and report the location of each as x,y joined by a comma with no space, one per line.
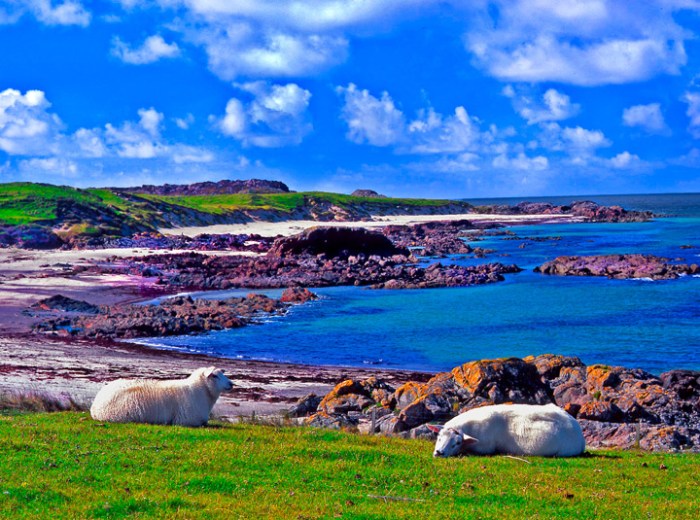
34,401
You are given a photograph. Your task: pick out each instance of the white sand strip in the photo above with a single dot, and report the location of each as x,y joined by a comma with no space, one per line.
291,227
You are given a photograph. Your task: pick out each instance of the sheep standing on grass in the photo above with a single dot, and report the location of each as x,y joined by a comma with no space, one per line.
185,402
516,429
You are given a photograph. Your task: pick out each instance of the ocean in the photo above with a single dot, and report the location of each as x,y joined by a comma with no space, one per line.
635,323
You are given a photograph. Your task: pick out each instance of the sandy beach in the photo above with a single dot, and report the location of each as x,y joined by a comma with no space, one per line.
66,366
291,227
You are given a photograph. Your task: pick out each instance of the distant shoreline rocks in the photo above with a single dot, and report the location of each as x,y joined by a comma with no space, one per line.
624,266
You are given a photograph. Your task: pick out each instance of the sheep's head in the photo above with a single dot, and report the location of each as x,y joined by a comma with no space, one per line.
216,380
450,441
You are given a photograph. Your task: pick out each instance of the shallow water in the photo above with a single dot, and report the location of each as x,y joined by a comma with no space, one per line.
637,323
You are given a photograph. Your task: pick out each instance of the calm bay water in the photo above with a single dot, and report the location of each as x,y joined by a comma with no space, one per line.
636,323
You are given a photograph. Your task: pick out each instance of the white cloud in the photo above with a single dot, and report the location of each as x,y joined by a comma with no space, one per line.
693,112
137,140
431,133
189,154
89,143
184,123
580,42
150,120
625,160
68,12
275,116
238,48
583,139
153,49
26,127
375,121
554,106
53,165
647,117
575,141
460,163
378,122
521,162
304,15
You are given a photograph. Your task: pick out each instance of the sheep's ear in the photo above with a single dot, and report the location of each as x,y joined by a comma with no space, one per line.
209,372
435,428
468,440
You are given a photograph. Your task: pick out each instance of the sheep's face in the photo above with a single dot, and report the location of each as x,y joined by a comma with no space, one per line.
217,380
449,443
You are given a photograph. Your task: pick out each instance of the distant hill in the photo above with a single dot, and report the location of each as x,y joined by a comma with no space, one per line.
71,212
224,187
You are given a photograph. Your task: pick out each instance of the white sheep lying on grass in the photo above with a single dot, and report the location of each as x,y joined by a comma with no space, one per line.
185,402
516,429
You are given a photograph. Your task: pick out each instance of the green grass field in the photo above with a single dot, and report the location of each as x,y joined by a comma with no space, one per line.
64,465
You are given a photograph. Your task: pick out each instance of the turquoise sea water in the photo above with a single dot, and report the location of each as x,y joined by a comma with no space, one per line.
636,323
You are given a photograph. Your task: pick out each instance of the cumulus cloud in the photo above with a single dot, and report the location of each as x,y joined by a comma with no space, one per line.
26,126
521,162
554,106
377,121
647,117
280,38
580,42
303,15
276,115
371,120
30,131
572,140
625,161
68,12
693,112
53,165
154,48
238,48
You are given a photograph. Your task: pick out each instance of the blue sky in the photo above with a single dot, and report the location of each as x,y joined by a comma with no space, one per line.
439,98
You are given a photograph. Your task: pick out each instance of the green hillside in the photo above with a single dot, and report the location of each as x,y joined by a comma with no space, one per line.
117,212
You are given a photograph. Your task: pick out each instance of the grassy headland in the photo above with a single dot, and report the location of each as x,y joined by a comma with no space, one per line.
119,212
64,465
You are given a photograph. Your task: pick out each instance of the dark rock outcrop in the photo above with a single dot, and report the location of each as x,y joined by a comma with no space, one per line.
617,266
585,210
224,187
193,271
65,304
29,237
297,295
436,238
616,406
368,194
173,316
336,242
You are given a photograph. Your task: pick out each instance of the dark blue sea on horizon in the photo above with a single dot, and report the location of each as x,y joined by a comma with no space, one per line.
634,323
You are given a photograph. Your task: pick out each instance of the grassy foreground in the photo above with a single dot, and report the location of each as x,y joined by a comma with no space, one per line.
64,465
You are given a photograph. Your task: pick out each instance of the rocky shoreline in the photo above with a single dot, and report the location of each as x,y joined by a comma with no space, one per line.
178,315
619,267
616,407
